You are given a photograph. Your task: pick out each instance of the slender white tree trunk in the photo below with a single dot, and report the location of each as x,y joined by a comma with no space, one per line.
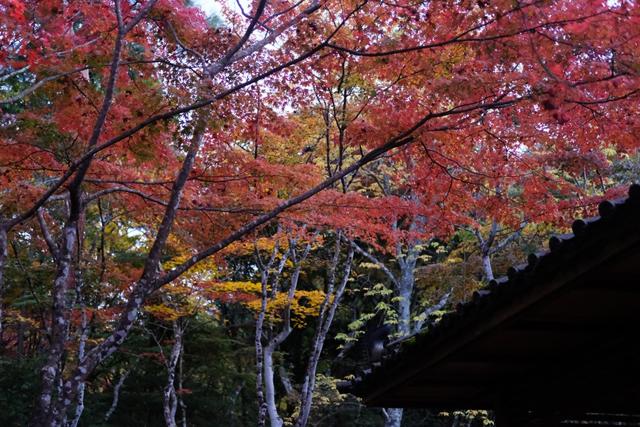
393,417
327,313
486,266
116,396
183,406
170,397
406,284
260,356
50,372
3,261
269,388
264,354
81,350
285,380
405,292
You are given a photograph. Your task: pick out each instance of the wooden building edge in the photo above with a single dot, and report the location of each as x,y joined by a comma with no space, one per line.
555,343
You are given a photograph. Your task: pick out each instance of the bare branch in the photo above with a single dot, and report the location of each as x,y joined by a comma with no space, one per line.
28,91
460,38
141,14
181,44
14,73
101,193
116,395
429,311
513,236
153,258
46,234
236,53
247,33
376,261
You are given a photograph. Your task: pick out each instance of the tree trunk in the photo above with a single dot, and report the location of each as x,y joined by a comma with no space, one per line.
116,396
260,356
147,283
264,355
429,311
183,406
50,373
324,325
170,397
486,266
79,406
3,261
81,350
269,388
393,417
45,411
405,291
285,380
109,346
406,284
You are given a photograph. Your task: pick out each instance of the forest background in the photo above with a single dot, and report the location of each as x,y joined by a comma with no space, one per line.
213,220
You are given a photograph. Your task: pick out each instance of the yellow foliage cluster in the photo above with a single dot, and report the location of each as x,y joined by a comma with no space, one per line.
232,287
16,316
263,244
205,268
163,312
303,305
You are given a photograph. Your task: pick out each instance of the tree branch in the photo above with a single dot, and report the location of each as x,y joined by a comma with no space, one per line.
53,247
375,260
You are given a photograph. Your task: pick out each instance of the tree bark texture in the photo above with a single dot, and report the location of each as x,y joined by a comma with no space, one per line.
325,320
170,397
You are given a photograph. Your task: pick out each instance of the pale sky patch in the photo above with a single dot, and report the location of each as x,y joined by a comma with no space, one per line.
209,6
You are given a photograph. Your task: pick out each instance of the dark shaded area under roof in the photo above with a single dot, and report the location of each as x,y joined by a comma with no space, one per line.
556,343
